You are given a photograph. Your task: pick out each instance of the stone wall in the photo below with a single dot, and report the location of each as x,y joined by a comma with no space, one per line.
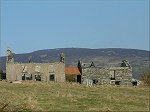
15,71
114,75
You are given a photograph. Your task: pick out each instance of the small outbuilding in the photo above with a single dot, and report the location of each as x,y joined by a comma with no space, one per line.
73,74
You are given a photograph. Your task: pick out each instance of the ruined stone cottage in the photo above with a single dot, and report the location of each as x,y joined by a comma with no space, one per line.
90,74
84,73
34,71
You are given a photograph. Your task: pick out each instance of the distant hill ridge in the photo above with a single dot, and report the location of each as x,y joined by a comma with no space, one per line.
101,57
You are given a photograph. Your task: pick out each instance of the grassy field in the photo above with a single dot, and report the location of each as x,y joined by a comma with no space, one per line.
40,96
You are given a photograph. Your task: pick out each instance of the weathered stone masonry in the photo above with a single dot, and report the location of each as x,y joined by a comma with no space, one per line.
34,71
112,75
56,72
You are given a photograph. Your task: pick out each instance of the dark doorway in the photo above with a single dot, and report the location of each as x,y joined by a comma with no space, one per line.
117,82
52,77
24,77
95,81
134,83
79,78
38,77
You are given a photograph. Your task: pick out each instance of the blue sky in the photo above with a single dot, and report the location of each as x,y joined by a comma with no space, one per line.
29,25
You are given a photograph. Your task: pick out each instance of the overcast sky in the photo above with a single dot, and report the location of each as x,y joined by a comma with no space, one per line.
30,25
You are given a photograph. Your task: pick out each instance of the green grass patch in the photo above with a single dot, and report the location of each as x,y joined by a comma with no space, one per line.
42,96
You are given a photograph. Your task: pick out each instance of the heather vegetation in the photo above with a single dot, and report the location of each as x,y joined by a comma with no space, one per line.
41,96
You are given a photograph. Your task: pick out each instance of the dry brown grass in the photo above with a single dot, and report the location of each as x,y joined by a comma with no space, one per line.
41,96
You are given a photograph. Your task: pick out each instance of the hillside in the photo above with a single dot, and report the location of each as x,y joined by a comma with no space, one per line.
41,96
138,59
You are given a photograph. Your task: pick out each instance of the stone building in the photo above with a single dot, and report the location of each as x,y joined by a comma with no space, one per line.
34,71
73,74
114,75
85,73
